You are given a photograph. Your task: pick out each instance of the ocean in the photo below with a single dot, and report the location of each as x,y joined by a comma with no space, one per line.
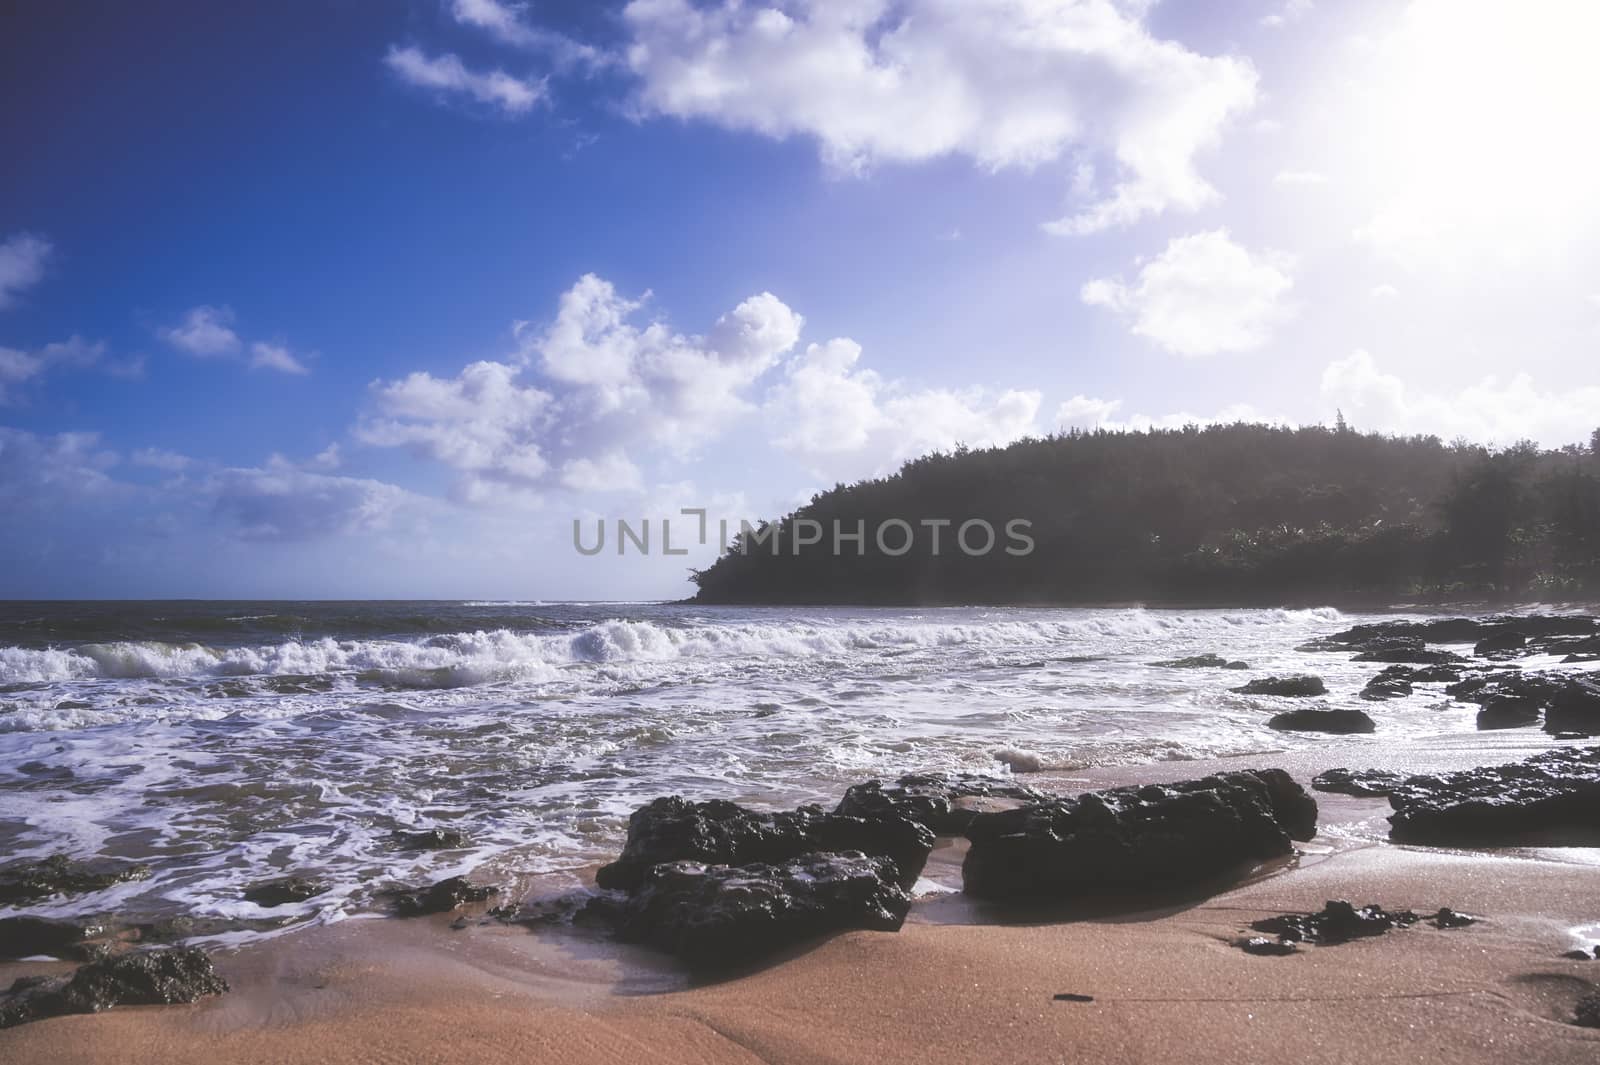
223,743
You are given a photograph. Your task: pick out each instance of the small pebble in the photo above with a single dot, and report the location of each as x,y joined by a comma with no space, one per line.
1270,948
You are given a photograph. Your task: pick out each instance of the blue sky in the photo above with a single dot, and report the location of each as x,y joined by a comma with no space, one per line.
376,299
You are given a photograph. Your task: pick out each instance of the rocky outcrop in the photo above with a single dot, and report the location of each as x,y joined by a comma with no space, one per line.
717,915
1392,683
1136,839
1552,798
429,839
25,937
1405,649
930,799
159,977
283,891
1500,642
1339,922
1340,721
1298,686
1536,629
1570,701
441,897
717,832
1361,782
30,881
1205,661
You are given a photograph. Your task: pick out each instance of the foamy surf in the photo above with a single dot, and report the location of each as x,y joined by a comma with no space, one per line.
225,744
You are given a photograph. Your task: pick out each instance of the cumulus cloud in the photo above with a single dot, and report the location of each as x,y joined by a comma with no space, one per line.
275,357
1289,11
282,501
37,471
598,396
1005,83
22,260
1204,294
19,367
605,383
846,421
205,332
447,74
1089,412
1490,411
507,24
482,422
161,459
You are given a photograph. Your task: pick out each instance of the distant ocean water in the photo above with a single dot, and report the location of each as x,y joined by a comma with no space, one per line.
225,743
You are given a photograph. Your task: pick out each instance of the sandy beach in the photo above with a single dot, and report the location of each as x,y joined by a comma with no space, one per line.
960,983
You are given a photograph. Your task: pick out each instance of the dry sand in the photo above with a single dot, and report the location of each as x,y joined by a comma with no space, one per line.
953,986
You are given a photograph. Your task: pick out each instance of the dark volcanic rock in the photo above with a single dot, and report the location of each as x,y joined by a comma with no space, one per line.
284,890
442,897
30,881
1341,721
1303,685
158,977
1337,922
1575,708
714,915
23,937
721,833
1362,782
1571,701
929,799
1412,652
1136,839
1392,683
1205,661
1508,711
1269,948
1500,642
1551,798
431,839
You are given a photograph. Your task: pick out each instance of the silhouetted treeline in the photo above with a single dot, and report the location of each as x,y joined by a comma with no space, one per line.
1238,513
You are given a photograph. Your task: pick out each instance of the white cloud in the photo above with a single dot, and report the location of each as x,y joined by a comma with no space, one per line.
600,400
275,357
505,22
1490,411
1203,295
1385,292
846,422
1006,83
482,422
1290,11
607,384
1299,177
205,332
612,471
22,260
446,73
282,501
37,471
19,367
161,459
1086,412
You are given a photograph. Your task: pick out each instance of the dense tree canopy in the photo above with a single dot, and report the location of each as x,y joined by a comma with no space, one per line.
1237,513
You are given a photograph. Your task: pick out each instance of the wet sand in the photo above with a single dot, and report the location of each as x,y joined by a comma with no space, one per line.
959,983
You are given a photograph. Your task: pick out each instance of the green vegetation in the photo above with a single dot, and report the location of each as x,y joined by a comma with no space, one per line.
1238,514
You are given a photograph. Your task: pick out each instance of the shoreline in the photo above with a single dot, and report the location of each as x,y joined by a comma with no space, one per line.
961,981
